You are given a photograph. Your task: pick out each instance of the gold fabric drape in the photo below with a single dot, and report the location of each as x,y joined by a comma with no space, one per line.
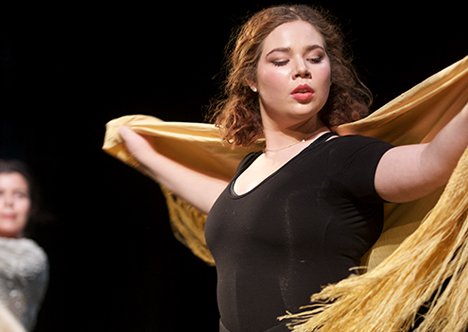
193,144
414,117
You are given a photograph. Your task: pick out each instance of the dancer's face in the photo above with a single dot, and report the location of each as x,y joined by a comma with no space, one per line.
15,204
294,74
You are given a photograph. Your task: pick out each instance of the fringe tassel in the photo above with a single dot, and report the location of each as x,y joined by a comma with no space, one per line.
388,298
188,226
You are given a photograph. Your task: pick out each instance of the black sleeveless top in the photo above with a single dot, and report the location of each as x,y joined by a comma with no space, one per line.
300,229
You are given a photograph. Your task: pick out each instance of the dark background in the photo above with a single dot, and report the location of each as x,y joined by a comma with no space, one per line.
68,69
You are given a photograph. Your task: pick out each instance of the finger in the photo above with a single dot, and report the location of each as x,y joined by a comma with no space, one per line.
125,132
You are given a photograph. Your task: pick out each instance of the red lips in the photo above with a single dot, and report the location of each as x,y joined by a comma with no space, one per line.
303,88
303,92
8,216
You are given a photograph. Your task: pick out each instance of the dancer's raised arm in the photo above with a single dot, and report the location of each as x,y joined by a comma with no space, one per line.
197,188
410,172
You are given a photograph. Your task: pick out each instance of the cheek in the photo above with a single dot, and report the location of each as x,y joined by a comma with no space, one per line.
323,74
23,209
272,81
323,77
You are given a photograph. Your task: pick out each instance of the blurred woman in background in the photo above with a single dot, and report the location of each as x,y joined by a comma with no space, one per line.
24,272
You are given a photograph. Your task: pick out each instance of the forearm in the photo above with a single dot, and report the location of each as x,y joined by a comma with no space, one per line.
197,188
441,156
409,172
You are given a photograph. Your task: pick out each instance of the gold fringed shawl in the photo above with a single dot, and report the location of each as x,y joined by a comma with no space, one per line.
414,117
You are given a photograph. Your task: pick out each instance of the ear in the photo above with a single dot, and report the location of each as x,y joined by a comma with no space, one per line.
253,86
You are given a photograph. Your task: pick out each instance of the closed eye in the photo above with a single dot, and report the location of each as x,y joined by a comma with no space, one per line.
316,60
280,63
20,194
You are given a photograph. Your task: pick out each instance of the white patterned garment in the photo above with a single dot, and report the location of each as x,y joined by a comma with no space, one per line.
24,275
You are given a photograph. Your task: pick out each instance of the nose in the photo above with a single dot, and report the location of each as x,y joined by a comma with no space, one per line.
7,200
302,71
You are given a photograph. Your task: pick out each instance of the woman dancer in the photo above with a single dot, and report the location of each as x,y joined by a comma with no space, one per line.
302,212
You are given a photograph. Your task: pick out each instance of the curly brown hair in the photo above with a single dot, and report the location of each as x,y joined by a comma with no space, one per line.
237,113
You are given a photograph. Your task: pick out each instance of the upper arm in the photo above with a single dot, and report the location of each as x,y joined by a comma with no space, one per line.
403,176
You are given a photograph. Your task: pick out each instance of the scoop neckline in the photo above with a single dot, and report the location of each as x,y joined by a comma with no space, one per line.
321,139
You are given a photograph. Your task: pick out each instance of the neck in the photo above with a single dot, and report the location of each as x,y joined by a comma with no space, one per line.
278,139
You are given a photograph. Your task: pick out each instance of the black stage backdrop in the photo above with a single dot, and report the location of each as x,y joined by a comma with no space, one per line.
68,69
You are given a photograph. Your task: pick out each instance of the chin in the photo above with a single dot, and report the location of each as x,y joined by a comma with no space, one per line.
10,233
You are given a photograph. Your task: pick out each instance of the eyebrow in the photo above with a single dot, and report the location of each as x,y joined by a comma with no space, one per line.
288,49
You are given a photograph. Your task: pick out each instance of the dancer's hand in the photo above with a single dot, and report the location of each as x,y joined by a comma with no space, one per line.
139,147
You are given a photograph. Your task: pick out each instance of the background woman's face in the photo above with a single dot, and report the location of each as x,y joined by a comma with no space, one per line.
15,204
